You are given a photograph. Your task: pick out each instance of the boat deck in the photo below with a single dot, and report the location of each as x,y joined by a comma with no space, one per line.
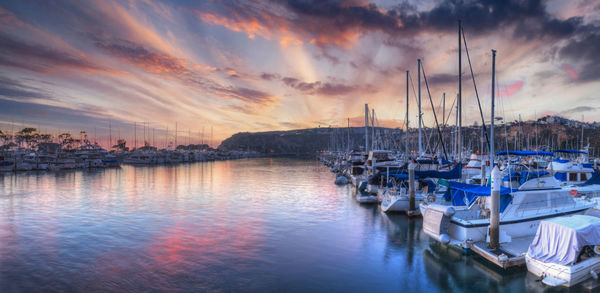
515,252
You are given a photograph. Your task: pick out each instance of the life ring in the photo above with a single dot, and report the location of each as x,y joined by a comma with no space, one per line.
597,249
430,197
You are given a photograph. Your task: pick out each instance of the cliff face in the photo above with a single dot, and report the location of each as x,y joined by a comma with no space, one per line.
295,142
550,133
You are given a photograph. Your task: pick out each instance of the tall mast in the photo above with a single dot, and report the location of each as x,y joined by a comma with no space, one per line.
419,105
406,135
348,146
134,135
456,130
373,142
459,135
176,135
367,128
443,109
109,135
581,132
493,105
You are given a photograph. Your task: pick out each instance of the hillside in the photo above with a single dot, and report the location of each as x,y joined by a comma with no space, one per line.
550,132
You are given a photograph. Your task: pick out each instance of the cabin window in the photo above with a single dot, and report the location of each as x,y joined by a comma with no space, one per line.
583,177
572,176
533,201
558,199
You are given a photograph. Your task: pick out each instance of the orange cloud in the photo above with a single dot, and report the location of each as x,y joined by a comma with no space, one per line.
251,27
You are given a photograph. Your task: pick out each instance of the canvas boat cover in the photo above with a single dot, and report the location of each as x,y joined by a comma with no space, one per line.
560,240
569,151
524,153
455,173
463,194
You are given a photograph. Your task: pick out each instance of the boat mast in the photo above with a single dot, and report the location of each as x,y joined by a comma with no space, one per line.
373,142
419,106
367,128
406,134
459,136
348,146
109,135
443,110
493,106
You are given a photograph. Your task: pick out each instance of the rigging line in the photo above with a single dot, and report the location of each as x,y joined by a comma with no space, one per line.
434,115
450,113
487,138
414,93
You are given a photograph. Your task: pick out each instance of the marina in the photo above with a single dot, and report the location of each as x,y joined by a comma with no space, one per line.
215,225
299,146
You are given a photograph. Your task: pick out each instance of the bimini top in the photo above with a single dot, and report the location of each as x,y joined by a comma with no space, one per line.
455,173
463,194
570,151
560,240
524,153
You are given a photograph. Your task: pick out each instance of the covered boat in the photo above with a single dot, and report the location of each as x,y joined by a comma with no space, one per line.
564,251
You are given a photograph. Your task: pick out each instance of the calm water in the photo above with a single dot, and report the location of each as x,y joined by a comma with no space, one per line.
247,225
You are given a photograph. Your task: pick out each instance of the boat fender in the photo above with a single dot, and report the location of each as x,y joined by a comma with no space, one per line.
503,258
430,197
444,239
449,212
594,274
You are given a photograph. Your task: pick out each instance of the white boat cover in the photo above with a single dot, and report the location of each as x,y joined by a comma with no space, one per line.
560,240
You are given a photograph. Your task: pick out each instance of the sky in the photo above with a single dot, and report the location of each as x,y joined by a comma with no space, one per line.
238,66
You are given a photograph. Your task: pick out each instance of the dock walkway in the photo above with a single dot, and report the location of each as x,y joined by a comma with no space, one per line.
510,254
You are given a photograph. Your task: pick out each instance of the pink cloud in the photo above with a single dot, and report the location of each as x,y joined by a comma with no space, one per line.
570,71
511,89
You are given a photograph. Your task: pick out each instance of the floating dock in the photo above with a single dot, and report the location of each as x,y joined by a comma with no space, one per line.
508,255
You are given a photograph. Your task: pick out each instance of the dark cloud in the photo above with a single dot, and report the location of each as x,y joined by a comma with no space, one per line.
246,95
337,23
37,57
583,50
579,109
442,78
321,88
55,116
13,89
270,76
146,58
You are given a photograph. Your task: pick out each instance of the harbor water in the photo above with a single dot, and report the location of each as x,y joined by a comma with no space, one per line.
251,225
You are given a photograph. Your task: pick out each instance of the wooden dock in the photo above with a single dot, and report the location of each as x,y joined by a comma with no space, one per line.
511,254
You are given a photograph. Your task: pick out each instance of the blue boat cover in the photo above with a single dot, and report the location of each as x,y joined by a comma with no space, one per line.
560,161
524,153
455,173
569,151
560,176
401,176
533,174
594,180
463,194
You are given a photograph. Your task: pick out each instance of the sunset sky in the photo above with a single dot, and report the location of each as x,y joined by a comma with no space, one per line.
270,65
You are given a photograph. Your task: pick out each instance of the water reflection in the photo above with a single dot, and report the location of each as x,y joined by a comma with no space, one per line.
247,225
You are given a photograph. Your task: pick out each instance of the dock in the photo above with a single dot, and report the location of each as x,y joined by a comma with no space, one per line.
509,255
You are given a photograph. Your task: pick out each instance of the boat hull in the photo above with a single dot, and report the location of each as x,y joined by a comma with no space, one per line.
566,275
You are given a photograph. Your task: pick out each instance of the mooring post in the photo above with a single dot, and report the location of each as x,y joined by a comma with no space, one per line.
482,170
495,209
411,187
